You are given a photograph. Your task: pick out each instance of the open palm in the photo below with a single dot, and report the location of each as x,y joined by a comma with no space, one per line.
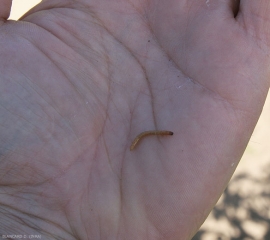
80,79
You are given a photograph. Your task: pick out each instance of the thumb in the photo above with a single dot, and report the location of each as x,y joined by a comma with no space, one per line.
5,6
255,17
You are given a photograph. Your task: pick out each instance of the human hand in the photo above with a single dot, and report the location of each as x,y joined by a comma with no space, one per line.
80,79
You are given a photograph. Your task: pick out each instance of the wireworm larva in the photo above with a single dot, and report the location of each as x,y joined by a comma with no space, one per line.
147,133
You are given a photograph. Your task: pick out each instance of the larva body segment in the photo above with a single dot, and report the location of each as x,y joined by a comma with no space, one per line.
148,133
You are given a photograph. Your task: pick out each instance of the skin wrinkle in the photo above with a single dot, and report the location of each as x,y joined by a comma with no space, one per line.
129,51
78,92
121,201
81,52
15,114
253,32
35,217
28,108
109,159
199,84
107,107
147,79
41,96
11,151
59,68
138,62
60,172
181,69
10,169
73,232
56,66
26,120
109,100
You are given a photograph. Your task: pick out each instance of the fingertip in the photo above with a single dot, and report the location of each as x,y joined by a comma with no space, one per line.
5,7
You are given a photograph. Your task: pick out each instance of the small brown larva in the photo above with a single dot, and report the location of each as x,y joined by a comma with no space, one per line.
147,133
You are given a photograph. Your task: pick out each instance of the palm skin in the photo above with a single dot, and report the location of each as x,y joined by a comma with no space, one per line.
80,79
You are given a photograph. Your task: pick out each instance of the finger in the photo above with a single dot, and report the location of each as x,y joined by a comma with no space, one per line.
5,6
255,18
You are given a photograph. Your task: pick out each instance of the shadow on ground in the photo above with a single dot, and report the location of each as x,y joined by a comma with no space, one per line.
243,211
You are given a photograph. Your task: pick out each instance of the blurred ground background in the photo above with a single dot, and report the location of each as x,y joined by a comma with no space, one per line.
243,211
